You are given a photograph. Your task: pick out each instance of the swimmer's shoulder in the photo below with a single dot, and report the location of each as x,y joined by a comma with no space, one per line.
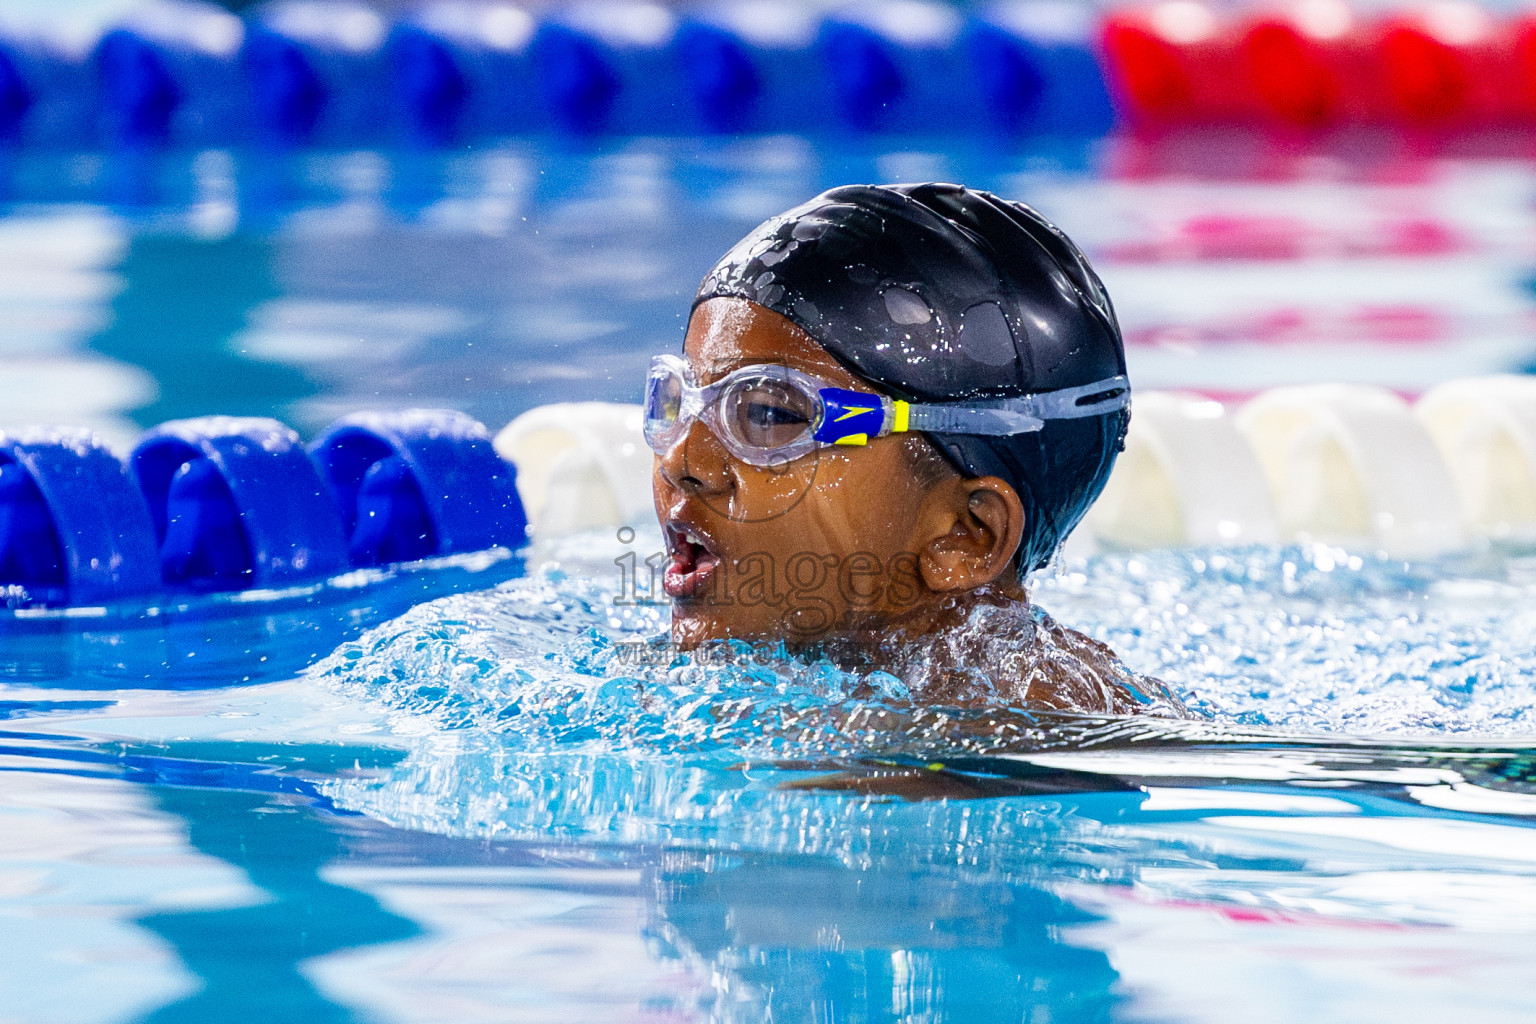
1075,672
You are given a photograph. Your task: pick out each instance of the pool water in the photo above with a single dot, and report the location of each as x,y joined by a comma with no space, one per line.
483,790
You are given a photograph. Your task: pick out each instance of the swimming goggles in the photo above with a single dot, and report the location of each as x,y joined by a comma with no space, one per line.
767,414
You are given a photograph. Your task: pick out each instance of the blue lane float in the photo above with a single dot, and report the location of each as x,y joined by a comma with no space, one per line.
316,72
414,484
1034,68
463,70
609,66
223,504
47,94
15,92
897,67
170,73
48,91
752,66
236,504
74,528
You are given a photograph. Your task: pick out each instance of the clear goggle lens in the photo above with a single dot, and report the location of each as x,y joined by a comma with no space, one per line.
762,414
664,390
767,414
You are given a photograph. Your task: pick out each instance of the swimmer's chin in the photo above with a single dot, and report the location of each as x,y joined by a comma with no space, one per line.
689,632
695,624
693,627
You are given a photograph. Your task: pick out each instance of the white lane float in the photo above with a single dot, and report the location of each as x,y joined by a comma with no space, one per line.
1352,465
1186,478
581,466
1485,429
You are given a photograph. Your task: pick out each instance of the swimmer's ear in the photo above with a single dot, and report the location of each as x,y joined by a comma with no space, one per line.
975,529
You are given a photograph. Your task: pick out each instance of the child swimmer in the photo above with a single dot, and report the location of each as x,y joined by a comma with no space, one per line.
895,402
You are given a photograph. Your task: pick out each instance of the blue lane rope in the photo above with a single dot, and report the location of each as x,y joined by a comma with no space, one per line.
222,504
335,73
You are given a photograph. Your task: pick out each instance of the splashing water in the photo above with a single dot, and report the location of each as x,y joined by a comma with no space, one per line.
545,708
1319,639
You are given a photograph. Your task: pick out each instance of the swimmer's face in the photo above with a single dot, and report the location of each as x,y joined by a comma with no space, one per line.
838,540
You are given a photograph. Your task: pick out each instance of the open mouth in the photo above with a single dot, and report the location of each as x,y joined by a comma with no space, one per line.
692,562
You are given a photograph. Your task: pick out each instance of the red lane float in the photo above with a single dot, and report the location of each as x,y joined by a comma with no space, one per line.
1314,64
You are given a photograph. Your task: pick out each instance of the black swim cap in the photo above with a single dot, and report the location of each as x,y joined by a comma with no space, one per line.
939,293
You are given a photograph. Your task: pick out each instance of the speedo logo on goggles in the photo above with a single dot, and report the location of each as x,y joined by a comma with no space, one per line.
768,414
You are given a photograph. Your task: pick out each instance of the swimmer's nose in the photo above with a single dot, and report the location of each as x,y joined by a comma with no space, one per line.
698,462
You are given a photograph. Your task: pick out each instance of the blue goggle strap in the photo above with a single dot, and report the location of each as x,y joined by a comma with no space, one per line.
853,417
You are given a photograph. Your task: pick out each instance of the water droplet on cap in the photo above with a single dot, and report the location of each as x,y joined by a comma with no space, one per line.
906,307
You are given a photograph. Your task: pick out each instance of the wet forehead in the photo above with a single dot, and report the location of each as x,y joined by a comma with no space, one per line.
726,333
